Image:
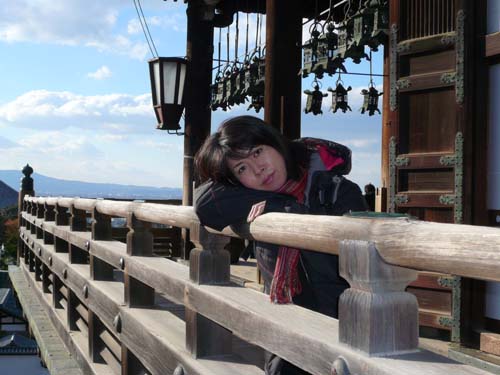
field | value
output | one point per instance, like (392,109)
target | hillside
(49,186)
(8,196)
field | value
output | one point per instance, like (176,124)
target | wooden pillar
(209,264)
(282,96)
(197,122)
(376,315)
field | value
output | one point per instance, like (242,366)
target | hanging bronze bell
(339,98)
(314,100)
(370,101)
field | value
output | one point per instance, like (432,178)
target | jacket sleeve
(218,205)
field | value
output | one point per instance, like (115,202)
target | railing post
(40,214)
(376,315)
(62,215)
(209,263)
(139,243)
(49,215)
(101,231)
(78,219)
(61,218)
(101,226)
(26,189)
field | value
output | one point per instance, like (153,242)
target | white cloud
(69,22)
(102,73)
(42,109)
(60,145)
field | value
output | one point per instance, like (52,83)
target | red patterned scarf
(286,283)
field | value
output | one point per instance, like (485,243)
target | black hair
(235,138)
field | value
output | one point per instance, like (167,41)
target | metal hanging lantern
(370,101)
(238,82)
(167,75)
(362,26)
(380,32)
(340,97)
(257,92)
(229,88)
(251,75)
(213,95)
(311,50)
(314,100)
(321,65)
(343,40)
(335,61)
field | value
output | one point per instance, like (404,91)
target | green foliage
(9,235)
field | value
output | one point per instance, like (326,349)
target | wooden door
(427,136)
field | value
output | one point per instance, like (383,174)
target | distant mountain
(8,196)
(48,186)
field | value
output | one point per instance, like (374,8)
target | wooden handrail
(463,250)
(154,333)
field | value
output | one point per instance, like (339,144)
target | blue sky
(75,100)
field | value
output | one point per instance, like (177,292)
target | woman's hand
(257,210)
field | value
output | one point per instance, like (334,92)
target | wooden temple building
(118,309)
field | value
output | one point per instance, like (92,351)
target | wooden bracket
(376,315)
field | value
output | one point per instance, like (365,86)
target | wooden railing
(123,311)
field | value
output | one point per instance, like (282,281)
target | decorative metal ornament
(314,100)
(460,56)
(339,98)
(370,101)
(393,60)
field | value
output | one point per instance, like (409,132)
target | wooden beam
(492,42)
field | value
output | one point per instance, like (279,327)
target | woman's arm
(218,205)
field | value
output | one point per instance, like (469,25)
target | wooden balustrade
(129,312)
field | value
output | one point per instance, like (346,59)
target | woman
(248,168)
(247,162)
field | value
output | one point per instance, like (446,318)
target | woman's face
(263,169)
